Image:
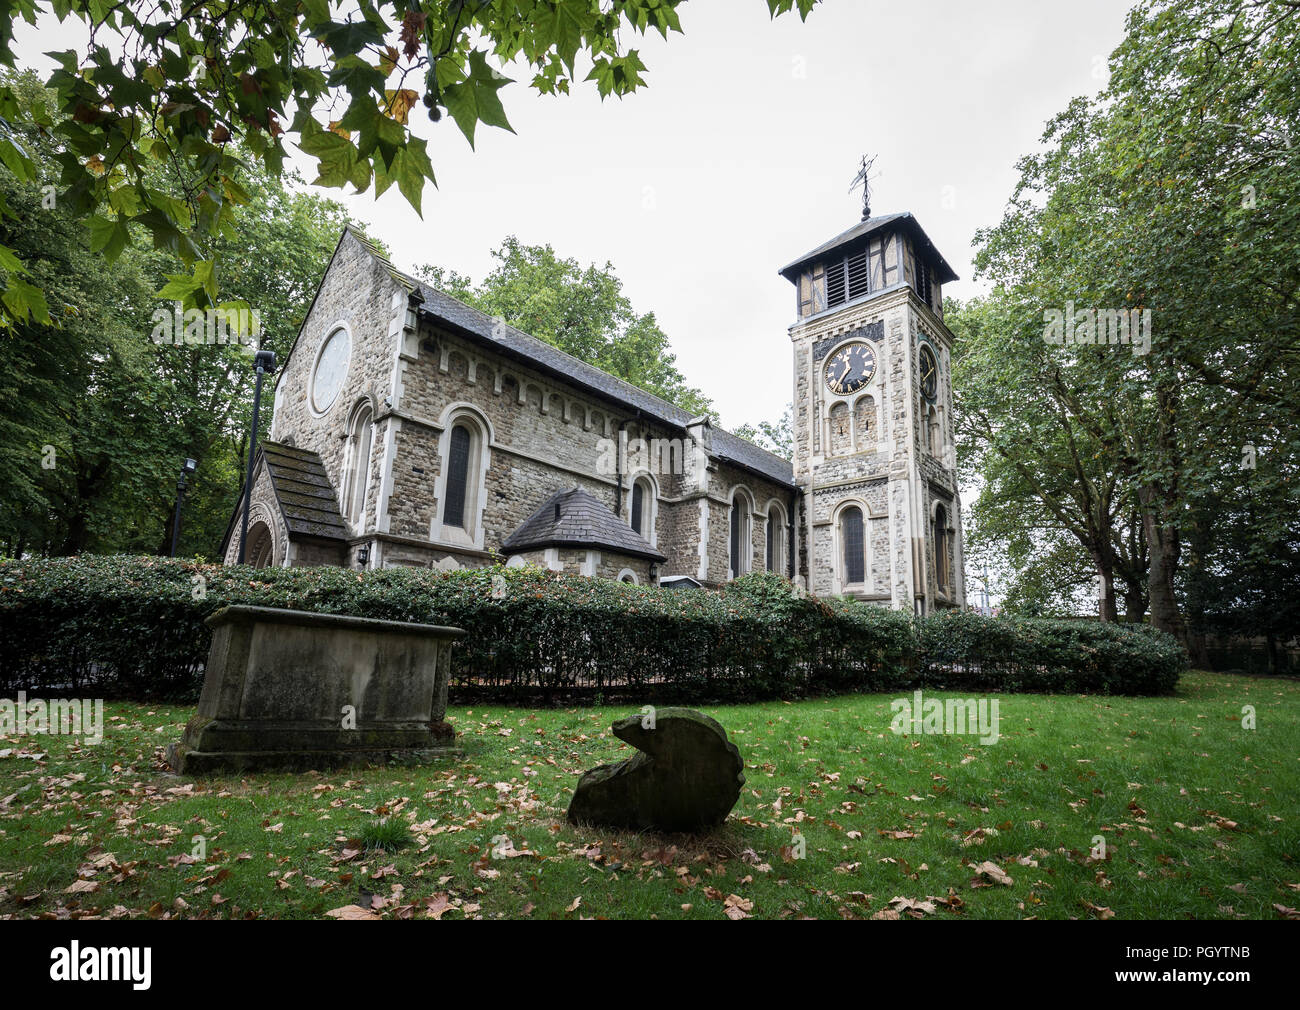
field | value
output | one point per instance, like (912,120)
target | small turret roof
(904,222)
(575,518)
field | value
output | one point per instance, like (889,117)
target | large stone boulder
(685,776)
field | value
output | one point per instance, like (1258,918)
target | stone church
(411,429)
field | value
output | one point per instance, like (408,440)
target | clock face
(331,370)
(929,372)
(850,368)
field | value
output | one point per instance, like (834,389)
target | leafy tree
(1044,472)
(581,310)
(62,442)
(117,411)
(1050,577)
(204,87)
(775,437)
(1175,192)
(1242,568)
(273,261)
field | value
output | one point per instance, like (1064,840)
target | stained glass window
(855,560)
(457,476)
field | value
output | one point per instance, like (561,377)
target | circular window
(331,370)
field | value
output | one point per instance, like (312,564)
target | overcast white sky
(737,158)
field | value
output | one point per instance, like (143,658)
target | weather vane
(863,179)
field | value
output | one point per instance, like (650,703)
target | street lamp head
(187,470)
(265,361)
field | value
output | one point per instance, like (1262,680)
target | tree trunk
(1135,600)
(1198,650)
(1162,540)
(75,535)
(1106,591)
(89,483)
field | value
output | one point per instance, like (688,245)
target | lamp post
(186,471)
(264,362)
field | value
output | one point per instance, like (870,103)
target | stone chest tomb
(287,689)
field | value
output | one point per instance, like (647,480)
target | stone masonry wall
(891,476)
(544,436)
(539,435)
(358,292)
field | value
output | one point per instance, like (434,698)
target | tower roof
(902,222)
(576,519)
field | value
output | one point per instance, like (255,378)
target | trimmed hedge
(133,627)
(968,650)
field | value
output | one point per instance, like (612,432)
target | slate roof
(904,221)
(469,321)
(303,489)
(575,519)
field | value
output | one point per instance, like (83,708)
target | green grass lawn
(1198,813)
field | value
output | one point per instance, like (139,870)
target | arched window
(458,452)
(742,537)
(460,489)
(358,472)
(775,539)
(261,546)
(643,508)
(942,562)
(853,547)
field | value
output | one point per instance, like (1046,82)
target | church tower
(873,442)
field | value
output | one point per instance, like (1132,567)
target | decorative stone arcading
(265,509)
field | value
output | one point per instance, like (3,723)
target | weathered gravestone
(685,776)
(288,689)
